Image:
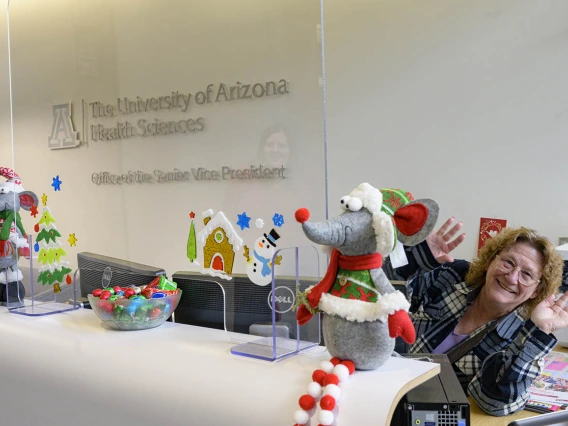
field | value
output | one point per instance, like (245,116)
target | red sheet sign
(488,228)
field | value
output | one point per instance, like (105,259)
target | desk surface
(479,418)
(66,369)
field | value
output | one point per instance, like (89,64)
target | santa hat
(393,199)
(393,211)
(13,182)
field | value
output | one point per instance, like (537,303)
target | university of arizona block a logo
(63,135)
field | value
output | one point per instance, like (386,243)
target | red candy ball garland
(307,402)
(331,379)
(325,387)
(327,402)
(336,361)
(318,376)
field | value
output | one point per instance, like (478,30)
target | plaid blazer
(499,370)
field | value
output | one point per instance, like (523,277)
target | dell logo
(284,299)
(107,276)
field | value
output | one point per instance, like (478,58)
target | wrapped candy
(166,284)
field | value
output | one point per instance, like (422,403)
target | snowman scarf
(265,261)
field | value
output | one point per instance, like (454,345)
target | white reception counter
(66,369)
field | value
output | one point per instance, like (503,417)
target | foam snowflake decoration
(278,219)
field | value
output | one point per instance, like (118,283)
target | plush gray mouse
(362,313)
(13,239)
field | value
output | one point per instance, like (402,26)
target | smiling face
(276,150)
(503,289)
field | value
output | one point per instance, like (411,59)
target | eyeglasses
(508,266)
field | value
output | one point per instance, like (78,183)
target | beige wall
(463,102)
(101,50)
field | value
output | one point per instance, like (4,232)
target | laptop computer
(558,418)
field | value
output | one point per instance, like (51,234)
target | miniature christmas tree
(52,270)
(191,242)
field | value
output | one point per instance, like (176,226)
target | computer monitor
(248,309)
(124,273)
(248,306)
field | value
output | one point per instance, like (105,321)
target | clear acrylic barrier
(283,336)
(29,297)
(135,119)
(252,314)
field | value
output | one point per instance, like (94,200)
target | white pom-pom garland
(326,366)
(333,373)
(341,371)
(314,389)
(333,390)
(325,417)
(301,417)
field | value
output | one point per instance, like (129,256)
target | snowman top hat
(13,182)
(272,237)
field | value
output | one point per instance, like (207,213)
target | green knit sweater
(8,216)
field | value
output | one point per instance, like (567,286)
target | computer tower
(440,401)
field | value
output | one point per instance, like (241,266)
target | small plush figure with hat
(259,262)
(13,238)
(362,313)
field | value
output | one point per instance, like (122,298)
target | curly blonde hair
(552,263)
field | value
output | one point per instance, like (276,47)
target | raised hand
(551,315)
(442,242)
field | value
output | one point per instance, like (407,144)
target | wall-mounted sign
(196,174)
(64,136)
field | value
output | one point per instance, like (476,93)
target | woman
(505,298)
(274,149)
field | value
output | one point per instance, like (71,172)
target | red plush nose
(302,215)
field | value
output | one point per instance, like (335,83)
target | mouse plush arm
(399,322)
(381,281)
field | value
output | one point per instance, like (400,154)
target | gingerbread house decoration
(220,241)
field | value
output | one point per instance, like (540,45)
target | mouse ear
(416,220)
(410,219)
(27,200)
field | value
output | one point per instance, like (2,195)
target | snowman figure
(259,258)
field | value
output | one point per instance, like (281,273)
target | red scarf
(6,248)
(350,263)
